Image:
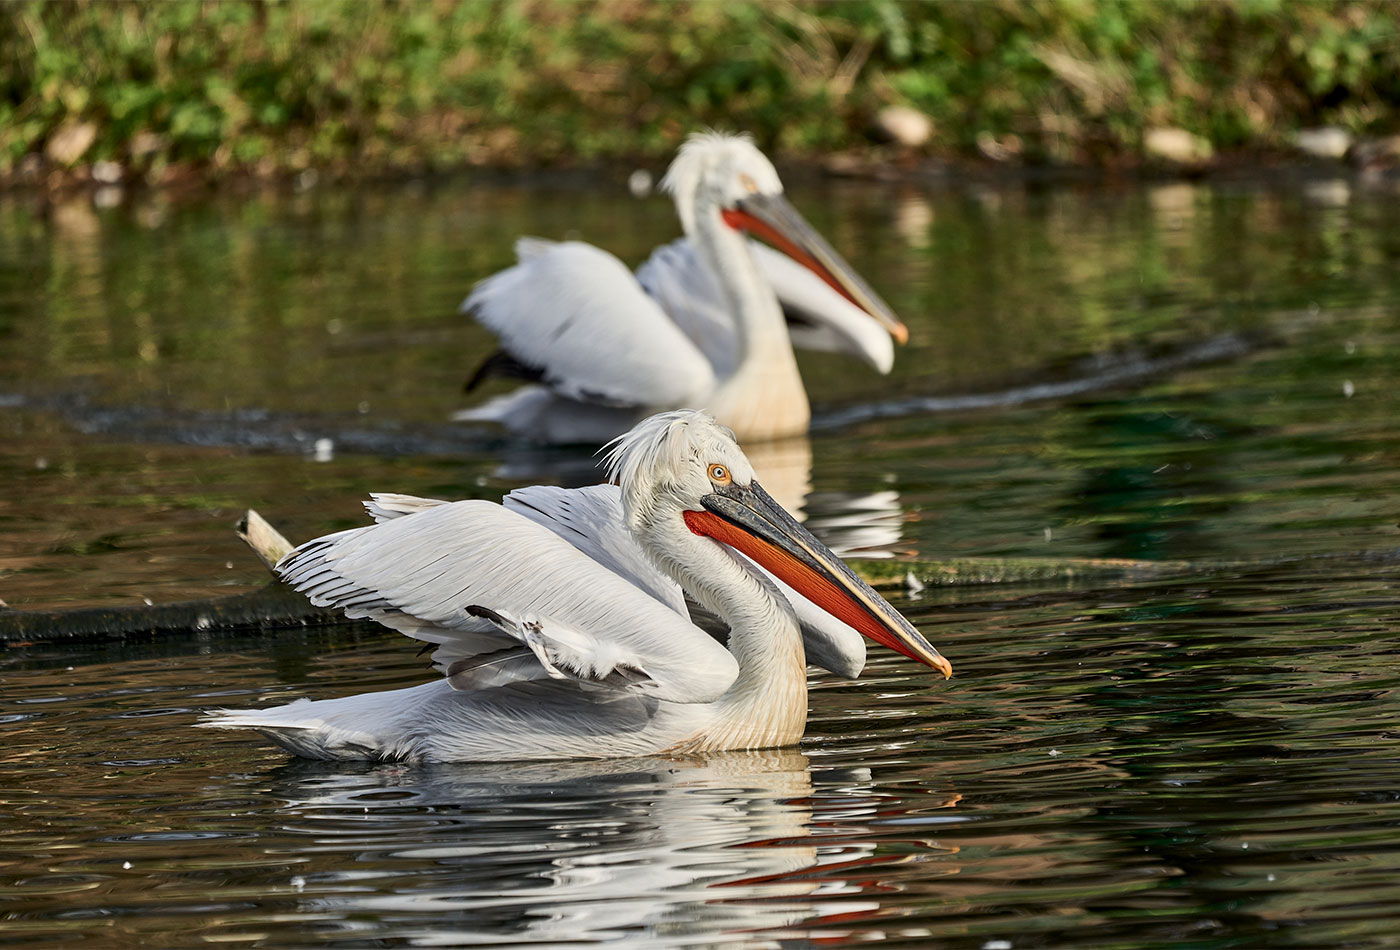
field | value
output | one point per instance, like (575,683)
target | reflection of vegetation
(285,86)
(344,301)
(335,309)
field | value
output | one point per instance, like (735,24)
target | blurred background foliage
(382,86)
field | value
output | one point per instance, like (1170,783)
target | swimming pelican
(560,617)
(701,322)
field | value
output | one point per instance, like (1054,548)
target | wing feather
(591,520)
(685,288)
(382,506)
(577,314)
(420,573)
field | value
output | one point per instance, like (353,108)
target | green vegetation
(380,86)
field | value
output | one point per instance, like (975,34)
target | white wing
(818,317)
(689,293)
(385,506)
(591,520)
(577,314)
(479,580)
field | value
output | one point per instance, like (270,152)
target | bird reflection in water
(651,849)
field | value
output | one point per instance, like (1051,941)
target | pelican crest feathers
(716,160)
(665,456)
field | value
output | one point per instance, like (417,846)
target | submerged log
(275,605)
(972,571)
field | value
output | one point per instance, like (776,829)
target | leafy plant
(376,84)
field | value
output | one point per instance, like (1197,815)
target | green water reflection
(154,352)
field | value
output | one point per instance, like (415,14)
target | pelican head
(727,177)
(682,468)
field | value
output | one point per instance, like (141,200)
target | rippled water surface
(1207,755)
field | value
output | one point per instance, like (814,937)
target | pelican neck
(762,397)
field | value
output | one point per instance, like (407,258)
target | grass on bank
(380,86)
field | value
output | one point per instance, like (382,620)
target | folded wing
(576,315)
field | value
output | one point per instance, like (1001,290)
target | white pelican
(561,619)
(701,322)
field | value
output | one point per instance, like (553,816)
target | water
(1203,759)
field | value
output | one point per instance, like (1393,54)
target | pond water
(1207,757)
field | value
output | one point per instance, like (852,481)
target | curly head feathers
(717,169)
(665,462)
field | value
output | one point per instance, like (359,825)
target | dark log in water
(275,605)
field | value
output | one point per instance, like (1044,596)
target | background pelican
(561,621)
(699,325)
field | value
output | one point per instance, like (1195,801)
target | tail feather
(325,729)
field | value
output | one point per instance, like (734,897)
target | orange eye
(749,184)
(718,473)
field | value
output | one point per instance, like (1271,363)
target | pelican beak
(751,522)
(772,219)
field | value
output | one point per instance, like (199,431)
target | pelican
(701,323)
(561,621)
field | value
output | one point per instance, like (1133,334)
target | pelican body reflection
(657,851)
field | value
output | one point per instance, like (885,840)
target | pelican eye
(718,473)
(748,183)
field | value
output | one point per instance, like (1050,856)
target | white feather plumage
(560,633)
(698,325)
